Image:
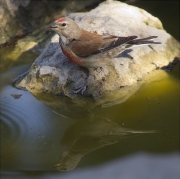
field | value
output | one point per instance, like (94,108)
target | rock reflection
(79,106)
(87,135)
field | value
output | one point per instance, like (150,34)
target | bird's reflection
(90,129)
(87,135)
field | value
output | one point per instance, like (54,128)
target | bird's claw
(82,88)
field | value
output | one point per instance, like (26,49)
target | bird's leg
(82,88)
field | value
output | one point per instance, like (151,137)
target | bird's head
(66,27)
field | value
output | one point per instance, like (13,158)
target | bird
(90,49)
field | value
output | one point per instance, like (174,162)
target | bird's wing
(91,44)
(110,42)
(86,44)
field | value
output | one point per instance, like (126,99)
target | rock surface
(19,17)
(53,73)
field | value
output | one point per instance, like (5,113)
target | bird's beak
(51,27)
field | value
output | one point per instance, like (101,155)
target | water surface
(45,133)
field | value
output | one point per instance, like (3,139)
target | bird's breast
(72,57)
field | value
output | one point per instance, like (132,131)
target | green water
(41,131)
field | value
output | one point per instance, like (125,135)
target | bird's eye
(63,24)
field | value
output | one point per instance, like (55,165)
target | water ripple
(13,118)
(21,128)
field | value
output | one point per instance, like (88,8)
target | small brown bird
(91,50)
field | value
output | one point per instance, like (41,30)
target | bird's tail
(143,41)
(127,42)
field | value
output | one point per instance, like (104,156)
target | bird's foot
(82,88)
